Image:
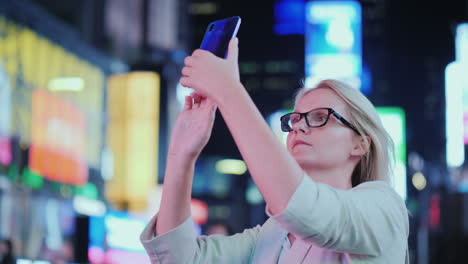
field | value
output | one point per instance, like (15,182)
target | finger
(187,71)
(196,101)
(233,50)
(204,101)
(188,103)
(189,61)
(186,82)
(199,53)
(195,94)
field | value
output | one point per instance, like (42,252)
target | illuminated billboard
(456,100)
(394,121)
(333,41)
(58,140)
(114,238)
(132,136)
(5,118)
(289,17)
(31,61)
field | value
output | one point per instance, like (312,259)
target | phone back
(218,34)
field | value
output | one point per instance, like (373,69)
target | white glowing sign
(333,41)
(393,119)
(456,100)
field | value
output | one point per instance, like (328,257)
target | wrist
(234,98)
(232,90)
(182,157)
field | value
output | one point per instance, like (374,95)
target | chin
(308,161)
(303,159)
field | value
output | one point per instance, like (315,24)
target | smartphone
(218,34)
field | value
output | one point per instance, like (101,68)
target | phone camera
(211,27)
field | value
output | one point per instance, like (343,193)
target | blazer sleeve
(181,245)
(365,220)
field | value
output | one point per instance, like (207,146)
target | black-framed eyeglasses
(314,118)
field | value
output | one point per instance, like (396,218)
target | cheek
(331,140)
(321,141)
(340,142)
(288,141)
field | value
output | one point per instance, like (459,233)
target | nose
(301,126)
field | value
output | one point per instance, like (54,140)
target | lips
(300,142)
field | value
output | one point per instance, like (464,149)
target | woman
(327,195)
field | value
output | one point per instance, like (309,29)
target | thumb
(233,50)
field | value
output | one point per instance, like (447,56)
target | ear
(361,145)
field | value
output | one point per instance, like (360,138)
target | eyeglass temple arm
(345,122)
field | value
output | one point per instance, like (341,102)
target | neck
(338,178)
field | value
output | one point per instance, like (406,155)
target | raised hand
(210,75)
(193,126)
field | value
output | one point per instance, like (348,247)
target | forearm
(273,169)
(177,190)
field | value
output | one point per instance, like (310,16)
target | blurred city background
(89,93)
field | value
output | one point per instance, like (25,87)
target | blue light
(97,231)
(289,17)
(366,79)
(326,11)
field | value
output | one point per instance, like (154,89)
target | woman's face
(323,147)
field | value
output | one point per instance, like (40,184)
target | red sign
(199,211)
(58,139)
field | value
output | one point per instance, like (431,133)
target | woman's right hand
(193,127)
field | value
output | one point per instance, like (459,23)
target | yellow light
(419,181)
(132,134)
(231,166)
(72,84)
(206,8)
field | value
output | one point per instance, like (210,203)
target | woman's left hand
(210,75)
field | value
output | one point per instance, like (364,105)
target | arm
(180,245)
(260,149)
(191,132)
(219,78)
(366,220)
(175,240)
(175,200)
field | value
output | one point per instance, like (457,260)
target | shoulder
(384,196)
(373,185)
(374,189)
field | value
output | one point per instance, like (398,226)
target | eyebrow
(310,109)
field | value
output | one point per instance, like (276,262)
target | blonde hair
(377,164)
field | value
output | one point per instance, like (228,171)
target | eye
(318,118)
(295,118)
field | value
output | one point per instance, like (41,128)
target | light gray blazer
(366,224)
